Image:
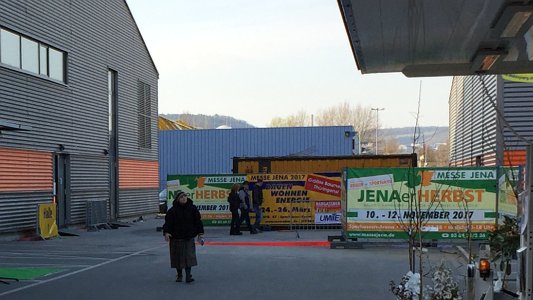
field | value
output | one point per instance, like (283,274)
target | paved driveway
(132,263)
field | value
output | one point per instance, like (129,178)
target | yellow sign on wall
(47,220)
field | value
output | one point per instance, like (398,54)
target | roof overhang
(440,38)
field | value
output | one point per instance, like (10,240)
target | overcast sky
(256,60)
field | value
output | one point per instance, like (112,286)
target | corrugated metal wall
(518,111)
(472,120)
(211,151)
(475,128)
(25,181)
(97,35)
(89,181)
(138,199)
(138,174)
(138,180)
(456,94)
(19,209)
(515,157)
(23,170)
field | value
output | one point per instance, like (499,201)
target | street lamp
(377,109)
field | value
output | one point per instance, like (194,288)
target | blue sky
(256,60)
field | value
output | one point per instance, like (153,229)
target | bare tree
(278,122)
(360,117)
(438,157)
(390,145)
(301,118)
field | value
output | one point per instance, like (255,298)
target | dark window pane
(145,119)
(110,100)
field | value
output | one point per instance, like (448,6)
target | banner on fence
(300,199)
(297,199)
(382,203)
(208,192)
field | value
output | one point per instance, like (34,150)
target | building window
(43,60)
(111,92)
(479,161)
(24,53)
(55,59)
(30,55)
(10,48)
(145,116)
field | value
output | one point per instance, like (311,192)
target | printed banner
(327,218)
(507,199)
(297,199)
(208,192)
(300,199)
(379,203)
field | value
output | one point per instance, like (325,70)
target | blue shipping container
(188,152)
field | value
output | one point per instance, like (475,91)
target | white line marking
(79,271)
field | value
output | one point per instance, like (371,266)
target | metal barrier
(97,214)
(302,217)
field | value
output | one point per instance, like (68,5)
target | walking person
(245,207)
(182,224)
(257,201)
(234,204)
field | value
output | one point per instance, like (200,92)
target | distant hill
(208,122)
(430,135)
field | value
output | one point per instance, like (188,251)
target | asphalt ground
(133,263)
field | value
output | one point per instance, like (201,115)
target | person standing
(245,207)
(182,224)
(234,204)
(257,201)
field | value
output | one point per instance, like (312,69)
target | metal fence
(302,217)
(96,214)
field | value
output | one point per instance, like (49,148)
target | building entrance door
(62,188)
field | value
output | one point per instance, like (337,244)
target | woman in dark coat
(182,224)
(234,204)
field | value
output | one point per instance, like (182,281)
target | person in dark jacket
(182,224)
(234,204)
(245,207)
(257,201)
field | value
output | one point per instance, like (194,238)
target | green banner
(208,192)
(524,78)
(384,202)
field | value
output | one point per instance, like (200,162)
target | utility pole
(377,109)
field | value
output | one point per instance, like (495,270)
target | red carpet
(272,244)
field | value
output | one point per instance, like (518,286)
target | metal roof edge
(342,4)
(142,39)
